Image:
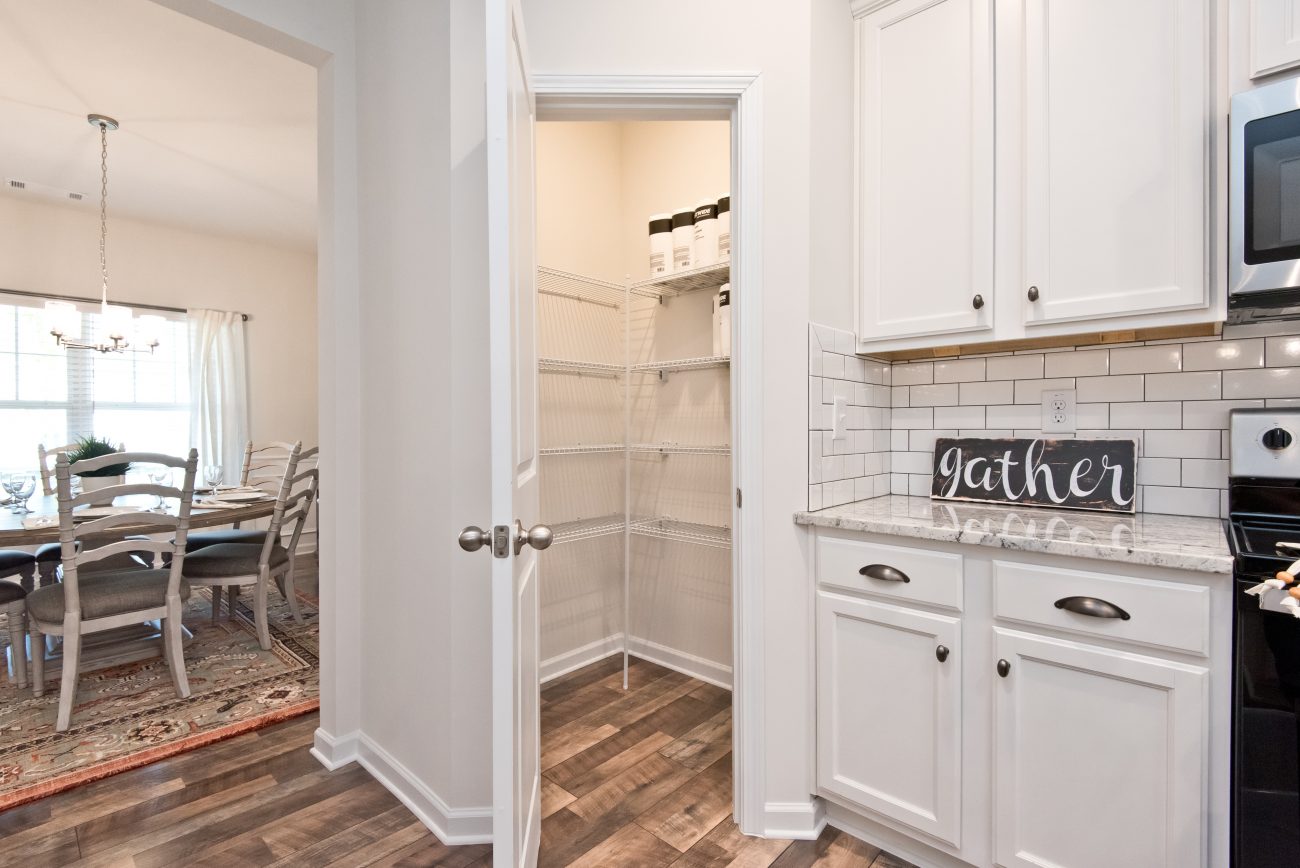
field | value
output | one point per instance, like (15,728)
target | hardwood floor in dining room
(641,778)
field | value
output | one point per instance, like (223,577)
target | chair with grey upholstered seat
(263,468)
(45,458)
(94,601)
(232,564)
(20,565)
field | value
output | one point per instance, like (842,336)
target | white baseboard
(679,661)
(714,673)
(570,661)
(334,752)
(451,825)
(892,841)
(800,821)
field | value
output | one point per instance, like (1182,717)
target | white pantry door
(516,727)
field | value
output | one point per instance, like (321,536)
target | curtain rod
(47,295)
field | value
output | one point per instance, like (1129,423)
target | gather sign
(1071,474)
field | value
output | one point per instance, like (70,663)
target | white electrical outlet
(1058,411)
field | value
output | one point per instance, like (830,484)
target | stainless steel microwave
(1264,204)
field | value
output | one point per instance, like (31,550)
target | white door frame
(738,98)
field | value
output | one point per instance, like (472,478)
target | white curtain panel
(218,389)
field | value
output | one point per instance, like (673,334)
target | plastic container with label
(661,244)
(706,234)
(683,239)
(724,228)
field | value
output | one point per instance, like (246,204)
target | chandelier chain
(103,209)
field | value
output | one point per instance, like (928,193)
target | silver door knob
(473,538)
(538,536)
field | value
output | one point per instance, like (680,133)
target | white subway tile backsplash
(1172,397)
(1199,386)
(1223,355)
(1015,416)
(1147,414)
(959,417)
(1031,391)
(1124,388)
(1159,471)
(1147,360)
(1262,383)
(1084,363)
(1014,367)
(939,395)
(913,417)
(1205,473)
(1212,414)
(1183,444)
(959,371)
(998,392)
(1283,352)
(912,374)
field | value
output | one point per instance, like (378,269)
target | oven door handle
(1092,607)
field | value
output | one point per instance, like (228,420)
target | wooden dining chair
(87,602)
(22,566)
(233,564)
(263,468)
(45,464)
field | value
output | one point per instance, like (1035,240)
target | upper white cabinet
(1100,757)
(1116,102)
(1035,168)
(925,192)
(1274,36)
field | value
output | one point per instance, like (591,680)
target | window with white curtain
(53,395)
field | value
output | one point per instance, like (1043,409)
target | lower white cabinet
(1100,757)
(889,711)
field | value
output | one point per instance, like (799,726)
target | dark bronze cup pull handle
(884,573)
(1092,607)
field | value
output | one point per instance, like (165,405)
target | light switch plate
(1058,411)
(840,419)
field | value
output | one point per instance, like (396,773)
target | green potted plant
(103,477)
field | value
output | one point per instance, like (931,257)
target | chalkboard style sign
(1070,474)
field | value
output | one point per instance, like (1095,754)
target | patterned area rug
(129,715)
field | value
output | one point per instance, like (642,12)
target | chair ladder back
(46,470)
(282,498)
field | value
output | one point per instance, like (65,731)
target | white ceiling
(218,134)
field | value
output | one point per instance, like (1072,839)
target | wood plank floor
(641,778)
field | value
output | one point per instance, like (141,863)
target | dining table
(123,644)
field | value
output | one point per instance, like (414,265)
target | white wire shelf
(681,449)
(581,449)
(668,528)
(695,280)
(587,528)
(673,365)
(563,284)
(574,366)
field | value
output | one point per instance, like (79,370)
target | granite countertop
(1177,542)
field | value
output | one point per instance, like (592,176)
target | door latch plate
(501,541)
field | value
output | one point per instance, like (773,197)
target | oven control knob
(1276,438)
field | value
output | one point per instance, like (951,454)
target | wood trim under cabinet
(1196,330)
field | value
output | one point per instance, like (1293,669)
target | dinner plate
(102,511)
(240,496)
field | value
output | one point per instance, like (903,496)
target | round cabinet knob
(941,652)
(977,302)
(1033,293)
(1276,438)
(1004,668)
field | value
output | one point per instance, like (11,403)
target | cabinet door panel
(1274,36)
(925,168)
(1100,757)
(889,712)
(1116,173)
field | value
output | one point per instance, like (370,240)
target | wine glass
(24,488)
(212,476)
(160,475)
(11,484)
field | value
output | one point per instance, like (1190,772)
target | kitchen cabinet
(1076,718)
(1050,174)
(1099,756)
(1116,173)
(925,127)
(889,711)
(1274,36)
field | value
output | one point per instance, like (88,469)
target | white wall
(777,40)
(579,198)
(53,249)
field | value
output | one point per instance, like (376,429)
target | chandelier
(115,320)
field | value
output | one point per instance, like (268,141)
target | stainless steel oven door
(1264,190)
